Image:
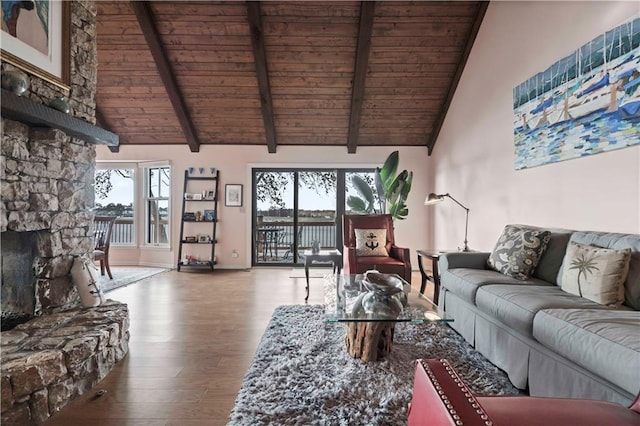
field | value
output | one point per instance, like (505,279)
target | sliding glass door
(295,208)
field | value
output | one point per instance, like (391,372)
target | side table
(434,255)
(323,256)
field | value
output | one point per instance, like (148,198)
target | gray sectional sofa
(550,342)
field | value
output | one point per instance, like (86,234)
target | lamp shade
(433,199)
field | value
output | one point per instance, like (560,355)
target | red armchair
(398,261)
(440,397)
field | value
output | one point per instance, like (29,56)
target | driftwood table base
(369,341)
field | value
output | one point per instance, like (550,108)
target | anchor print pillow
(371,242)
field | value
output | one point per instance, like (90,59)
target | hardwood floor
(193,336)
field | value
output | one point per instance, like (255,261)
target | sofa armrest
(471,260)
(440,397)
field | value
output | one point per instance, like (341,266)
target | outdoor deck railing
(123,231)
(322,231)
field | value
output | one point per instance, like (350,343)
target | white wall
(474,155)
(235,162)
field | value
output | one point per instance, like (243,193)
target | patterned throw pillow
(518,251)
(371,242)
(595,273)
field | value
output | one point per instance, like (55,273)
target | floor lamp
(437,198)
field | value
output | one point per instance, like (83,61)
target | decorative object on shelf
(209,215)
(208,194)
(315,247)
(435,198)
(233,195)
(60,103)
(391,190)
(212,170)
(49,59)
(15,81)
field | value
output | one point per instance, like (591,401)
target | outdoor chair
(102,234)
(397,259)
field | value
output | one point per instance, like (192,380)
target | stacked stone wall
(48,361)
(46,182)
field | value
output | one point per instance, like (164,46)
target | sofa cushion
(606,342)
(464,282)
(518,251)
(371,242)
(596,273)
(551,259)
(618,242)
(517,305)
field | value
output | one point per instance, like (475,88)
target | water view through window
(115,192)
(294,209)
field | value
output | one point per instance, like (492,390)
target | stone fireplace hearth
(46,220)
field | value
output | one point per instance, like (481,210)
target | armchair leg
(106,264)
(101,266)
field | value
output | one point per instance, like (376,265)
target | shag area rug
(123,276)
(301,373)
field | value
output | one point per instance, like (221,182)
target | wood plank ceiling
(281,73)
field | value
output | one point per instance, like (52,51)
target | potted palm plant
(392,191)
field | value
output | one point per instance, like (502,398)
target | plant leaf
(363,189)
(357,205)
(389,169)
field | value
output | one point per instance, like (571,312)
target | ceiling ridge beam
(481,11)
(101,122)
(262,73)
(363,46)
(146,20)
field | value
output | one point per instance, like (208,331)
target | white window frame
(145,168)
(105,165)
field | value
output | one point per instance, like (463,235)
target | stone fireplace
(46,220)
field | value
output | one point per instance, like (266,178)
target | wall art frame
(53,66)
(233,195)
(583,104)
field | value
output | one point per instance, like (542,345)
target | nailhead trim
(445,399)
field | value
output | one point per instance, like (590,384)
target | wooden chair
(398,261)
(103,226)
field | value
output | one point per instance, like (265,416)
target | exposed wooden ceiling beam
(260,58)
(144,14)
(482,9)
(360,73)
(101,122)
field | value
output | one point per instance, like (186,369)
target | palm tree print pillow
(518,251)
(595,273)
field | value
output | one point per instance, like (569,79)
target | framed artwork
(209,215)
(209,195)
(233,195)
(202,238)
(36,38)
(583,104)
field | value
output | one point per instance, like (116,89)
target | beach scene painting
(583,104)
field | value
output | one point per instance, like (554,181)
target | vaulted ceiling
(281,73)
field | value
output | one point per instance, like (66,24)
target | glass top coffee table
(370,305)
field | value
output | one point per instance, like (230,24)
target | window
(157,200)
(115,195)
